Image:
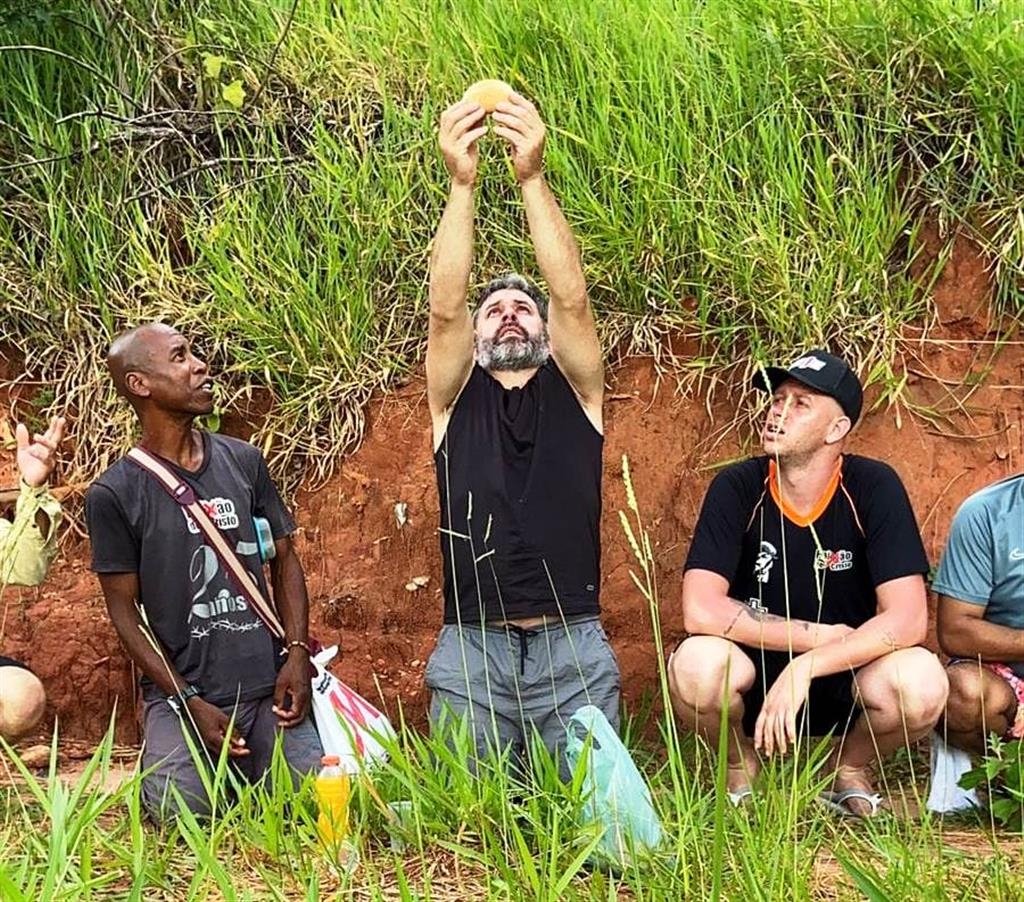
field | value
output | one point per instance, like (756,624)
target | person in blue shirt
(980,584)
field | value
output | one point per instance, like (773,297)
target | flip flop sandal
(740,796)
(837,802)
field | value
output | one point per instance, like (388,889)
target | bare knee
(910,682)
(979,700)
(923,688)
(706,673)
(964,706)
(22,701)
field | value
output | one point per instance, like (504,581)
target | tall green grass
(482,836)
(485,834)
(755,171)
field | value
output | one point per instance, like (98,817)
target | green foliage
(866,883)
(482,832)
(482,835)
(1001,773)
(266,176)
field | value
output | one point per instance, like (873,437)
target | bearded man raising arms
(515,390)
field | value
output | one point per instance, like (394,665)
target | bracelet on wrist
(297,643)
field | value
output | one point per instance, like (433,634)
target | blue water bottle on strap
(264,539)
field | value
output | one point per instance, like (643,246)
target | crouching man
(804,596)
(980,585)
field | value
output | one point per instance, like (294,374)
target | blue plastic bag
(617,799)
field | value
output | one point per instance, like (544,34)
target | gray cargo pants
(510,682)
(167,754)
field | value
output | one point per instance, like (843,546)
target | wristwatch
(179,699)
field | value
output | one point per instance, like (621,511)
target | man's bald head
(154,368)
(132,352)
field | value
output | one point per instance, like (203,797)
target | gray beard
(510,356)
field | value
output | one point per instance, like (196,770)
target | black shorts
(10,662)
(829,708)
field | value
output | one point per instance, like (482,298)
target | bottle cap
(330,761)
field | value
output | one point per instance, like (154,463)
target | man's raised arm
(574,341)
(450,333)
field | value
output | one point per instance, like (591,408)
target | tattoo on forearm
(732,623)
(762,616)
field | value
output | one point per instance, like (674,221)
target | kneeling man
(980,585)
(804,596)
(210,666)
(515,392)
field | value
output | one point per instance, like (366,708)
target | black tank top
(519,477)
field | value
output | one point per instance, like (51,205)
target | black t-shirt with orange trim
(823,567)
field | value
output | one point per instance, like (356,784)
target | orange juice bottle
(332,793)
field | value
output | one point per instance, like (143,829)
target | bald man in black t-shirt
(215,681)
(804,596)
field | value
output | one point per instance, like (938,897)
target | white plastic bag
(349,726)
(949,764)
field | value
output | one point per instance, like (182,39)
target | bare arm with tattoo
(708,610)
(901,621)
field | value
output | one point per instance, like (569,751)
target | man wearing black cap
(804,596)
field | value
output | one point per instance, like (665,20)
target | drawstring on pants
(524,636)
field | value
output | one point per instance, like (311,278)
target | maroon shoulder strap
(184,495)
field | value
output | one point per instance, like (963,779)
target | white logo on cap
(809,363)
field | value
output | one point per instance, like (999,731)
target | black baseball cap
(821,371)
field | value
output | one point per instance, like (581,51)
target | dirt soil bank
(964,431)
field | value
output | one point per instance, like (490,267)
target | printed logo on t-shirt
(212,608)
(826,559)
(1017,555)
(222,603)
(759,609)
(220,510)
(764,562)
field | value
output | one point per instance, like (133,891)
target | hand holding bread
(461,127)
(518,122)
(515,119)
